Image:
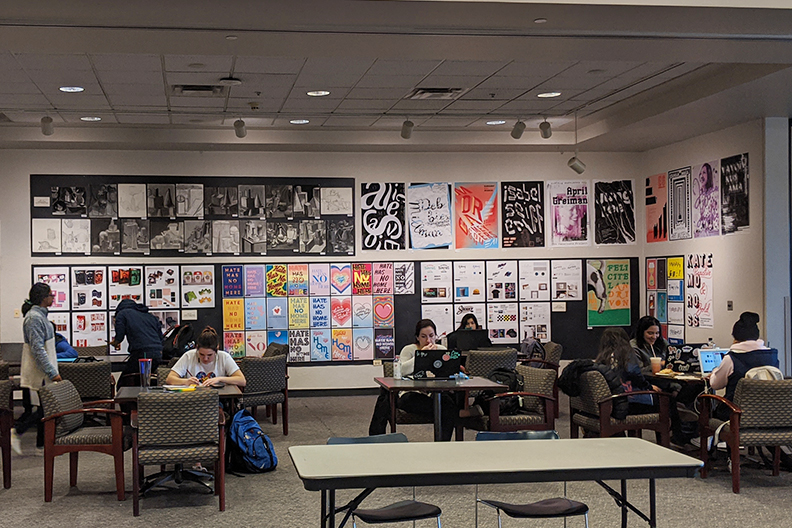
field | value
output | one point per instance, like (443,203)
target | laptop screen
(710,359)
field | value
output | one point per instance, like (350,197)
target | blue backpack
(251,450)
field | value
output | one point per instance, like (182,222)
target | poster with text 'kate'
(614,212)
(234,343)
(342,344)
(569,212)
(442,315)
(382,306)
(299,346)
(384,343)
(436,282)
(479,310)
(89,329)
(319,279)
(382,205)
(198,288)
(298,279)
(429,215)
(162,287)
(363,343)
(278,312)
(277,280)
(361,278)
(676,279)
(320,312)
(501,280)
(340,279)
(362,311)
(255,343)
(382,278)
(233,285)
(534,280)
(679,222)
(255,283)
(535,321)
(125,283)
(657,208)
(234,314)
(699,290)
(57,278)
(341,311)
(503,322)
(705,198)
(469,281)
(404,278)
(256,313)
(89,288)
(299,312)
(608,292)
(321,345)
(567,281)
(476,215)
(522,214)
(734,193)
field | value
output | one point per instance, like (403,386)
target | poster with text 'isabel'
(198,288)
(535,321)
(699,290)
(476,208)
(534,280)
(569,212)
(429,215)
(469,281)
(57,278)
(608,292)
(657,208)
(567,282)
(436,282)
(522,214)
(502,322)
(501,280)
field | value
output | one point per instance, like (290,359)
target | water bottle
(397,368)
(711,343)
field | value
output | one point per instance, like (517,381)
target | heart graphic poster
(320,312)
(278,313)
(319,279)
(382,278)
(299,312)
(340,279)
(254,281)
(342,344)
(278,337)
(362,311)
(363,343)
(256,313)
(384,343)
(276,280)
(321,345)
(361,278)
(383,311)
(341,311)
(298,279)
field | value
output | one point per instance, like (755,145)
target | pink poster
(657,208)
(382,278)
(341,311)
(476,216)
(383,311)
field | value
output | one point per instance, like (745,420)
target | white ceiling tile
(198,102)
(403,67)
(562,83)
(133,89)
(143,119)
(682,69)
(264,105)
(463,67)
(514,82)
(63,77)
(8,62)
(366,104)
(404,82)
(478,106)
(644,70)
(565,94)
(329,66)
(199,78)
(211,63)
(138,100)
(600,68)
(19,88)
(126,62)
(349,121)
(249,64)
(494,94)
(136,109)
(446,122)
(520,105)
(250,121)
(326,81)
(535,69)
(14,76)
(82,101)
(54,61)
(316,104)
(378,93)
(23,101)
(255,91)
(125,76)
(566,106)
(590,95)
(450,81)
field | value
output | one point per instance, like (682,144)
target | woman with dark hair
(648,343)
(616,353)
(39,358)
(469,322)
(205,365)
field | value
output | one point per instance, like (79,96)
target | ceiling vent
(198,90)
(436,93)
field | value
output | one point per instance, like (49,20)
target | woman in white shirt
(205,365)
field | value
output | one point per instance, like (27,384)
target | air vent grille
(198,90)
(436,93)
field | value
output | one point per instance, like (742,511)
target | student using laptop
(206,365)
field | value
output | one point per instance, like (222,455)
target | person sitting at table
(416,402)
(648,343)
(747,352)
(205,365)
(469,322)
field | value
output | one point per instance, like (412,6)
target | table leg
(331,508)
(624,503)
(323,518)
(438,424)
(393,395)
(652,504)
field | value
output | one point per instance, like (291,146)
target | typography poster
(234,314)
(298,279)
(657,208)
(255,343)
(361,278)
(277,280)
(232,281)
(254,281)
(255,313)
(442,315)
(319,279)
(234,343)
(705,197)
(522,214)
(699,290)
(384,343)
(608,285)
(404,278)
(651,274)
(535,321)
(614,212)
(299,346)
(734,193)
(569,212)
(430,215)
(299,313)
(679,219)
(382,205)
(566,280)
(342,344)
(382,278)
(676,279)
(321,345)
(476,208)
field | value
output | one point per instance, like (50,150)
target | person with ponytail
(205,365)
(39,358)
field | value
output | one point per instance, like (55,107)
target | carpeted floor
(278,498)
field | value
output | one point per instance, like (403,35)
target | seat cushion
(93,436)
(270,398)
(592,424)
(174,455)
(557,507)
(399,511)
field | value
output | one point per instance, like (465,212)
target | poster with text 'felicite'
(404,278)
(234,314)
(705,197)
(277,280)
(319,279)
(382,307)
(567,282)
(569,212)
(699,296)
(321,345)
(299,312)
(657,208)
(534,280)
(476,215)
(340,279)
(255,284)
(255,313)
(477,309)
(320,312)
(342,344)
(429,215)
(469,281)
(436,281)
(501,280)
(255,343)
(382,278)
(535,321)
(298,279)
(608,292)
(57,278)
(503,322)
(361,278)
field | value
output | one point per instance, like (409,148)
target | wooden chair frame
(549,413)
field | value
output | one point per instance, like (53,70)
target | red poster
(476,218)
(657,208)
(361,278)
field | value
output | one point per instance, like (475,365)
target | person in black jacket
(141,329)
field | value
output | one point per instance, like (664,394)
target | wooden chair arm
(83,411)
(221,419)
(97,402)
(534,394)
(634,393)
(133,419)
(732,407)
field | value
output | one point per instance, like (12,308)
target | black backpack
(177,341)
(509,405)
(533,349)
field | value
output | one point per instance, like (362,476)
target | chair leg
(49,466)
(73,459)
(585,517)
(735,460)
(137,471)
(267,411)
(274,411)
(6,419)
(285,416)
(253,411)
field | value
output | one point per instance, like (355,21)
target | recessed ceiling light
(196,65)
(231,37)
(299,121)
(71,89)
(496,122)
(540,21)
(548,95)
(317,93)
(91,119)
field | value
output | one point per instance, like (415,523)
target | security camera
(253,105)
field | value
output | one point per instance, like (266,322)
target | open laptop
(464,340)
(436,364)
(710,359)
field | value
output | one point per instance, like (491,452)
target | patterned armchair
(481,363)
(267,384)
(552,360)
(4,370)
(591,410)
(174,428)
(93,381)
(63,433)
(6,421)
(92,351)
(402,416)
(761,415)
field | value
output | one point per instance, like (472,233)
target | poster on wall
(567,283)
(341,343)
(651,304)
(62,322)
(166,235)
(442,315)
(569,212)
(135,236)
(361,278)
(341,236)
(255,313)
(340,279)
(522,214)
(319,279)
(469,281)
(255,343)
(124,283)
(341,311)
(234,314)
(476,215)
(676,313)
(383,310)
(232,281)
(657,208)
(363,343)
(662,274)
(382,206)
(132,200)
(103,200)
(221,201)
(105,237)
(76,235)
(313,236)
(234,343)
(162,287)
(57,278)
(404,278)
(277,280)
(651,274)
(299,346)
(362,311)
(699,290)
(734,193)
(679,220)
(501,280)
(608,292)
(254,237)
(662,307)
(676,279)
(705,197)
(89,288)
(279,201)
(45,235)
(278,313)
(676,334)
(321,345)
(337,201)
(614,212)
(503,322)
(384,343)
(68,201)
(534,280)
(198,236)
(320,312)
(382,278)
(298,279)
(477,309)
(535,321)
(189,201)
(225,236)
(299,312)
(161,199)
(198,289)
(89,329)
(306,201)
(255,285)
(436,282)
(429,215)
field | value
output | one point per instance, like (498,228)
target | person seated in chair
(469,322)
(205,365)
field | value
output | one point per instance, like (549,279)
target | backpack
(765,372)
(251,451)
(177,341)
(509,405)
(531,348)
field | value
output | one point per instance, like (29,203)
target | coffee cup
(656,365)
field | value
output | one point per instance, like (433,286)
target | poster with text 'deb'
(429,215)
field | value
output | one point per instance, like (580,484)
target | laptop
(710,359)
(464,340)
(436,364)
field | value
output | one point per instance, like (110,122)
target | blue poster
(320,345)
(279,337)
(662,307)
(277,312)
(256,313)
(320,312)
(232,281)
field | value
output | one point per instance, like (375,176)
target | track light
(545,130)
(47,127)
(576,165)
(517,131)
(239,128)
(407,127)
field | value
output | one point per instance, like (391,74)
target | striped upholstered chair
(761,415)
(4,370)
(267,384)
(93,380)
(6,421)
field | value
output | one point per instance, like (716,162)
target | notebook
(436,364)
(710,359)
